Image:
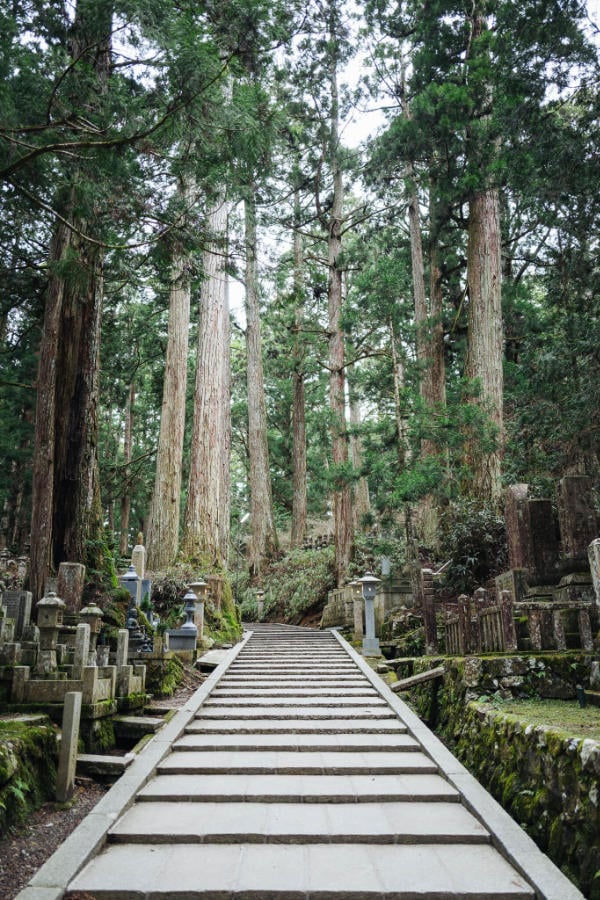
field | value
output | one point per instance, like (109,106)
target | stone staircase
(301,775)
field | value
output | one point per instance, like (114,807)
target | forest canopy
(269,269)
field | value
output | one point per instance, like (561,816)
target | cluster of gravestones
(52,649)
(552,587)
(318,542)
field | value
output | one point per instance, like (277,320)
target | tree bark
(299,498)
(342,500)
(361,506)
(65,516)
(162,539)
(206,520)
(263,543)
(484,281)
(484,350)
(125,511)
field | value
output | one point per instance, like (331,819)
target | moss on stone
(163,676)
(97,735)
(28,757)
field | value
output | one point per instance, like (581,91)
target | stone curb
(515,845)
(51,880)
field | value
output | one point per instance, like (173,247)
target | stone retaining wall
(547,780)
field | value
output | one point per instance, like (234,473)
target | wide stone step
(313,788)
(296,726)
(271,691)
(305,823)
(296,700)
(263,681)
(293,871)
(345,743)
(266,711)
(232,762)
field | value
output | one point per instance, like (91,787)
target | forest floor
(27,847)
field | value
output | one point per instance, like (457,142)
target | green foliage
(295,585)
(473,539)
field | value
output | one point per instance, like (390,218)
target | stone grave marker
(577,516)
(18,607)
(70,584)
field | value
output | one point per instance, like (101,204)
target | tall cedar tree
(66,515)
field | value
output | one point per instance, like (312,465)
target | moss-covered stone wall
(28,758)
(547,780)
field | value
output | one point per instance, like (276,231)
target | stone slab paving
(311,788)
(347,742)
(203,725)
(253,822)
(294,772)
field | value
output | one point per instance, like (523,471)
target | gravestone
(516,517)
(18,608)
(70,584)
(577,517)
(531,534)
(594,558)
(138,559)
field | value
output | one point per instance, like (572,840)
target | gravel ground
(24,849)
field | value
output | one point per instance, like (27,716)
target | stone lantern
(49,620)
(370,644)
(189,608)
(260,604)
(200,589)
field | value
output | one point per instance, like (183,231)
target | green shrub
(294,585)
(473,538)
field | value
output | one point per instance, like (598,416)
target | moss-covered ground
(562,715)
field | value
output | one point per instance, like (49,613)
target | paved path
(299,774)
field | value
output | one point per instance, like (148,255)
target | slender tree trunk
(361,506)
(127,450)
(342,500)
(263,543)
(399,384)
(162,539)
(299,498)
(484,281)
(206,520)
(436,389)
(484,351)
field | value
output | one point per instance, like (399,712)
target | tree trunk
(65,516)
(484,350)
(42,488)
(361,506)
(162,539)
(299,499)
(342,501)
(206,520)
(127,448)
(484,280)
(399,385)
(436,388)
(263,542)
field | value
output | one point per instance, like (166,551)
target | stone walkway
(299,774)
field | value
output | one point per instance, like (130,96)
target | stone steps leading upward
(296,773)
